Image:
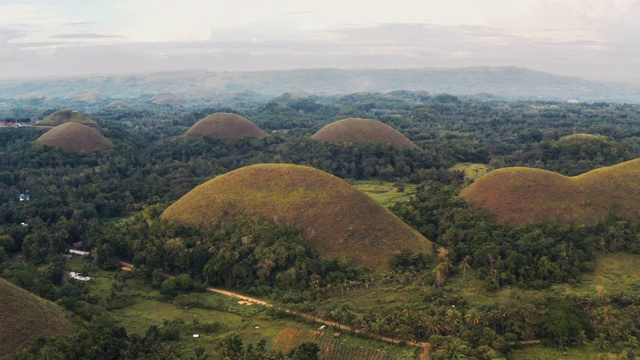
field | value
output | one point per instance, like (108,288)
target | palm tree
(464,266)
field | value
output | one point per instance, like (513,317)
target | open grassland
(613,273)
(385,193)
(523,195)
(24,317)
(66,116)
(339,221)
(539,352)
(224,126)
(194,312)
(335,348)
(357,130)
(472,171)
(76,137)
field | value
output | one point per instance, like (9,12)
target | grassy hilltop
(357,130)
(66,116)
(24,317)
(524,195)
(77,137)
(339,221)
(225,126)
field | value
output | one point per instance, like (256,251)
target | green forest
(488,290)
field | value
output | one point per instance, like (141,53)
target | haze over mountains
(509,83)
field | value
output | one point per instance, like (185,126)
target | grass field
(539,352)
(385,193)
(355,130)
(613,273)
(338,220)
(472,171)
(253,323)
(524,195)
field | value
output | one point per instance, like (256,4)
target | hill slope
(24,317)
(65,116)
(339,221)
(503,82)
(524,195)
(76,137)
(357,130)
(225,126)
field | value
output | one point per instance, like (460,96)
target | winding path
(424,345)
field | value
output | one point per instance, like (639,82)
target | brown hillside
(89,97)
(24,317)
(119,104)
(66,116)
(168,99)
(357,130)
(225,126)
(523,195)
(339,221)
(76,137)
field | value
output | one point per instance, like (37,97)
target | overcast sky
(593,39)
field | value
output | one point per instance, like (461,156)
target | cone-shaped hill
(224,126)
(66,116)
(77,137)
(357,130)
(523,195)
(338,220)
(25,317)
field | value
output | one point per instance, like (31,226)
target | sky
(592,39)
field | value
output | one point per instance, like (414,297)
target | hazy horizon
(590,39)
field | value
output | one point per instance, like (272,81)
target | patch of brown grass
(77,137)
(338,220)
(66,116)
(24,317)
(357,130)
(168,99)
(225,126)
(523,195)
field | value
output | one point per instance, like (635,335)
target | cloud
(84,36)
(81,23)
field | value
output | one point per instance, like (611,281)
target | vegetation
(76,137)
(471,171)
(224,126)
(25,317)
(66,116)
(522,195)
(386,194)
(339,221)
(488,287)
(355,130)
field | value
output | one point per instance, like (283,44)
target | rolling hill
(24,317)
(524,195)
(357,130)
(224,126)
(74,136)
(505,82)
(66,116)
(338,220)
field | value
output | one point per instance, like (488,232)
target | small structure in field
(77,276)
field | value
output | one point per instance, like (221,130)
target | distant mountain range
(509,83)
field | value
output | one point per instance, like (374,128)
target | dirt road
(315,319)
